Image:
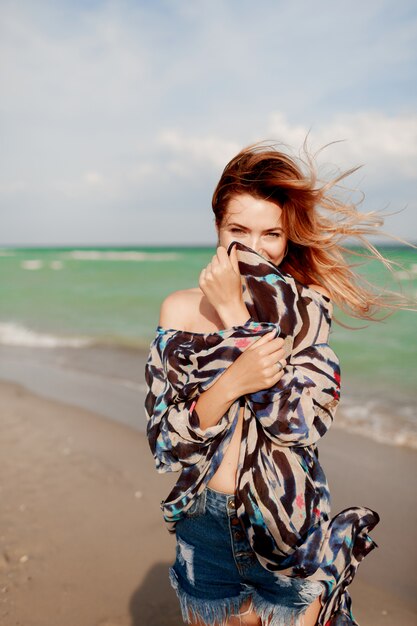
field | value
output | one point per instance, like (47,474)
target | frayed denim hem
(212,612)
(278,615)
(217,612)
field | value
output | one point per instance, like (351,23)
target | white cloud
(114,108)
(194,151)
(140,172)
(11,187)
(383,143)
(93,178)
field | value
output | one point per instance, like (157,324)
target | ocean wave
(32,264)
(408,273)
(12,334)
(56,265)
(99,255)
(15,334)
(376,419)
(37,264)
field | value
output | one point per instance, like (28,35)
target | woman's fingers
(269,342)
(282,359)
(271,350)
(219,258)
(278,357)
(264,340)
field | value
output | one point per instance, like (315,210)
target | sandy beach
(82,538)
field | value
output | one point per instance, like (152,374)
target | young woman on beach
(241,384)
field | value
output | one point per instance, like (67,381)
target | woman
(241,385)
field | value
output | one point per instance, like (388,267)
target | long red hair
(315,222)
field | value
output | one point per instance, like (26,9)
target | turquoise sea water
(78,296)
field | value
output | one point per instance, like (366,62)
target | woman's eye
(239,230)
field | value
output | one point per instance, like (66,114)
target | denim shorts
(215,570)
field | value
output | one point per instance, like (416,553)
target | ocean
(83,297)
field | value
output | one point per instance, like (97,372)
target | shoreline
(109,380)
(84,541)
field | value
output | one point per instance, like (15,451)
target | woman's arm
(213,403)
(256,372)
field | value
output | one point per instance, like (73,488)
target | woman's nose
(259,249)
(255,245)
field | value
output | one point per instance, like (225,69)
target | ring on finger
(280,366)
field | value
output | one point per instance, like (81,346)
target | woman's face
(256,223)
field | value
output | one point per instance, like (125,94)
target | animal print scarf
(282,495)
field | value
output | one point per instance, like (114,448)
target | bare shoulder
(320,289)
(176,308)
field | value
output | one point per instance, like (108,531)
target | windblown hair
(315,222)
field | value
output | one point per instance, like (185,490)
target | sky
(118,117)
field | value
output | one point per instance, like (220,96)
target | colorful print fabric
(282,495)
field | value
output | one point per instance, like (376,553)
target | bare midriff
(224,479)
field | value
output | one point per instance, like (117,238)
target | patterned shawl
(282,495)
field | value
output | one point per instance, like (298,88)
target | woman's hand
(257,367)
(221,283)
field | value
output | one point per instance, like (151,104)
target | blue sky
(118,117)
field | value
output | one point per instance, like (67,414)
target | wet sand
(82,540)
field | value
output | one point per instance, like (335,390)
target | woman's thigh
(312,612)
(246,617)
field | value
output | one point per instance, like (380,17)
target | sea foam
(12,334)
